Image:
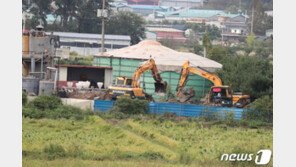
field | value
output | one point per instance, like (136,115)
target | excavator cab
(123,82)
(221,95)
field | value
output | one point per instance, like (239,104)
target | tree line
(81,16)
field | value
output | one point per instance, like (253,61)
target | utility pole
(103,28)
(205,52)
(205,49)
(240,5)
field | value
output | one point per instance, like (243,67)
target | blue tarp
(187,110)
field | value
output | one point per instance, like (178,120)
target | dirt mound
(186,94)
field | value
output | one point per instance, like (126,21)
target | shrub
(131,106)
(24,98)
(112,113)
(33,113)
(66,111)
(261,109)
(63,111)
(45,102)
(151,155)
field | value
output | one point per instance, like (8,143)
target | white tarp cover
(166,59)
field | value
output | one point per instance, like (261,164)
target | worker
(219,95)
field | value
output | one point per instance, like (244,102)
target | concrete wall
(63,73)
(108,78)
(81,103)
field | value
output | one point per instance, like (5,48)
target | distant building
(235,28)
(51,19)
(151,35)
(90,44)
(192,15)
(142,2)
(164,33)
(178,27)
(196,15)
(182,3)
(143,10)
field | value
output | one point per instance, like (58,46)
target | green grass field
(136,142)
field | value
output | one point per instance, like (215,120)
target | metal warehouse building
(89,44)
(169,62)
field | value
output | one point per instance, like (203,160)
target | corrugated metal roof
(163,29)
(194,13)
(90,36)
(198,13)
(147,7)
(81,66)
(143,7)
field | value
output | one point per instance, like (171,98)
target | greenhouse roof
(166,59)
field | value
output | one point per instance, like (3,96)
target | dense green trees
(199,28)
(249,74)
(261,21)
(130,24)
(42,8)
(81,16)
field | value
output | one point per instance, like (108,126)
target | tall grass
(165,142)
(92,139)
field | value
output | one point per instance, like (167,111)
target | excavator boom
(212,77)
(218,94)
(160,85)
(186,69)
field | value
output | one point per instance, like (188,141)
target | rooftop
(52,18)
(165,58)
(163,29)
(90,36)
(143,7)
(199,13)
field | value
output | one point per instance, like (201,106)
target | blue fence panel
(103,105)
(190,110)
(187,110)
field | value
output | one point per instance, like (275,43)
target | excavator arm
(186,69)
(160,85)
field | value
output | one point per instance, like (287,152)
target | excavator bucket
(160,87)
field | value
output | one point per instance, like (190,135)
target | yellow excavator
(130,87)
(219,94)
